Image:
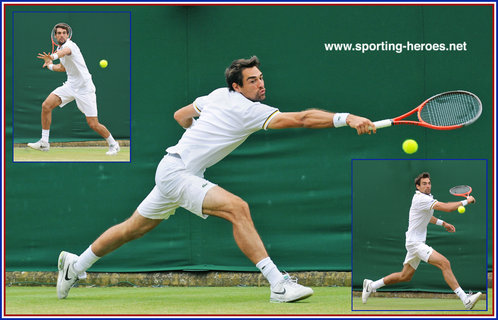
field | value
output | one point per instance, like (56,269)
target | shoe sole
(285,301)
(60,266)
(365,282)
(44,150)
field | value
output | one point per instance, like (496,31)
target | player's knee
(445,264)
(93,124)
(406,277)
(46,106)
(239,209)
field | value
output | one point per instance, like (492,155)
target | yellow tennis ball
(461,209)
(410,146)
(103,63)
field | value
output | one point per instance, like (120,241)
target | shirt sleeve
(258,116)
(199,103)
(427,203)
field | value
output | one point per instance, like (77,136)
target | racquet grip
(382,124)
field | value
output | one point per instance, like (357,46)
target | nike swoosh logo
(65,276)
(282,292)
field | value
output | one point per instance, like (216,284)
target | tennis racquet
(462,191)
(444,111)
(55,44)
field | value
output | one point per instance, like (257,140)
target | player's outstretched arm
(451,206)
(185,116)
(317,119)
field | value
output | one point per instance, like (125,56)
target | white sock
(110,140)
(378,284)
(270,271)
(85,261)
(461,294)
(45,135)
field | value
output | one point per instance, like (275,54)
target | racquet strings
(460,190)
(450,109)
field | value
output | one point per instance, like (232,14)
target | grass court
(216,301)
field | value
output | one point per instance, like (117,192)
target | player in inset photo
(420,216)
(79,86)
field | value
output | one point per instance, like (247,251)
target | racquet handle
(382,124)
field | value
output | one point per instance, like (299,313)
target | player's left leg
(440,261)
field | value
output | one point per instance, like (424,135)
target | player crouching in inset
(79,86)
(421,214)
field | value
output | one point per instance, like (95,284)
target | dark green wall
(297,181)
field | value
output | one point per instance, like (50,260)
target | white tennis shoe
(472,300)
(367,290)
(67,276)
(288,290)
(40,145)
(113,149)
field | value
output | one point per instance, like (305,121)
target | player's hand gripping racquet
(462,191)
(444,111)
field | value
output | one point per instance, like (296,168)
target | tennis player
(421,214)
(79,86)
(225,118)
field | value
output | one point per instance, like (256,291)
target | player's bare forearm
(317,119)
(451,206)
(185,116)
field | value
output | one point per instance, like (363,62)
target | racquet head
(52,34)
(450,110)
(462,191)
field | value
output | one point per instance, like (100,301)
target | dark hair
(421,176)
(64,26)
(233,74)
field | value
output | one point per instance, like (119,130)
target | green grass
(70,154)
(171,300)
(209,301)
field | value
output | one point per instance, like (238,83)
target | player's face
(425,186)
(61,35)
(253,85)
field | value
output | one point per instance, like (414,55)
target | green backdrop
(297,181)
(382,192)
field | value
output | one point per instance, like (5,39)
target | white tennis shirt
(421,212)
(226,119)
(78,76)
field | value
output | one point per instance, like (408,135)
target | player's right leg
(221,203)
(72,268)
(440,261)
(48,105)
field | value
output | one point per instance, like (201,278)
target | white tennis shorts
(417,251)
(175,187)
(86,102)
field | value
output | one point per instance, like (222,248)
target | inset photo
(420,235)
(71,86)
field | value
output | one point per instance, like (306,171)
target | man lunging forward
(421,214)
(79,86)
(225,118)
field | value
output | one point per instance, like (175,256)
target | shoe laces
(288,279)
